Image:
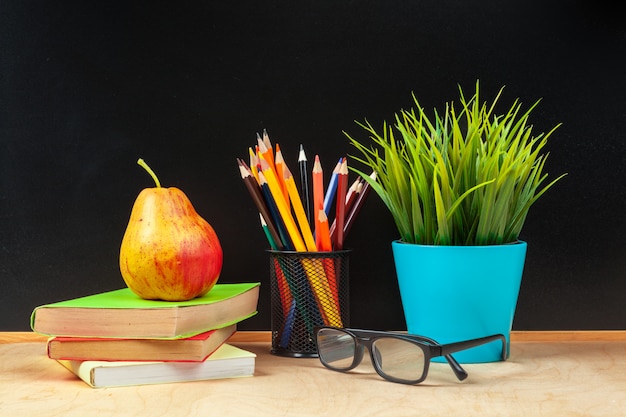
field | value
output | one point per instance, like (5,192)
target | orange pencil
(265,150)
(266,140)
(324,243)
(329,266)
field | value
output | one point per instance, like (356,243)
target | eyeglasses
(397,357)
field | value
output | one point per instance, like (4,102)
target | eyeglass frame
(431,348)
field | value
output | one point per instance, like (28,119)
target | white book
(226,362)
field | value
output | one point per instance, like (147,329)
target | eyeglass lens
(396,358)
(399,358)
(336,348)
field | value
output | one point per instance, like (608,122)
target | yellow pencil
(328,303)
(298,208)
(279,198)
(279,163)
(253,163)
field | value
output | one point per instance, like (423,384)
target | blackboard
(88,87)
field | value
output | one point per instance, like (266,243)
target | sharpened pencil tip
(301,155)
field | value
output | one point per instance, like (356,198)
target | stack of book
(118,339)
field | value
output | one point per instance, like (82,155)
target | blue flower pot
(455,293)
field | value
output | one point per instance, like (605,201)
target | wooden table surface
(548,374)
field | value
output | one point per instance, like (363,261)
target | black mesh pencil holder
(307,289)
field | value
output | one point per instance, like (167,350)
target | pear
(168,251)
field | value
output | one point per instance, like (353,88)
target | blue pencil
(286,335)
(332,187)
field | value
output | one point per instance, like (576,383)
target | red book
(191,349)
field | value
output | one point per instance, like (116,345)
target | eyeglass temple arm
(450,348)
(447,349)
(460,373)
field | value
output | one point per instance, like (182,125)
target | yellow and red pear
(169,252)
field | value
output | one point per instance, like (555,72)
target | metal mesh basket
(307,289)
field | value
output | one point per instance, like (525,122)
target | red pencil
(356,207)
(318,191)
(325,245)
(342,189)
(353,193)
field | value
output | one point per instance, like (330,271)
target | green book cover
(124,300)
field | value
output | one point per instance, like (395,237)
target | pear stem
(150,171)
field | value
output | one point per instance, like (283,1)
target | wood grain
(542,378)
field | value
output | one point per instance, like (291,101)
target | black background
(88,87)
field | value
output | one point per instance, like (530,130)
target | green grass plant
(460,177)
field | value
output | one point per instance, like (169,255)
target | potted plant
(459,186)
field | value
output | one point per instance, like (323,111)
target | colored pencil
(275,213)
(279,199)
(259,201)
(286,298)
(342,189)
(323,291)
(324,243)
(329,266)
(353,193)
(356,208)
(298,209)
(288,326)
(332,187)
(254,162)
(304,183)
(266,141)
(265,151)
(279,164)
(318,189)
(268,235)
